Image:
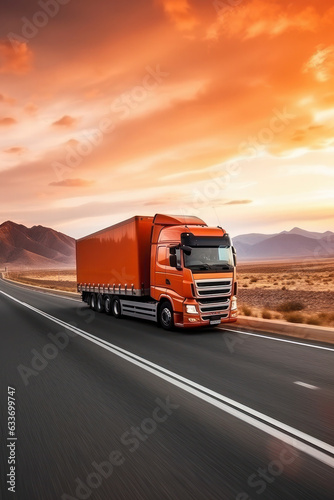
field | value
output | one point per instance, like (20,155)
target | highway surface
(121,409)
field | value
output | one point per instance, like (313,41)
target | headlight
(234,305)
(190,309)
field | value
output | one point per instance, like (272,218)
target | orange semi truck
(174,270)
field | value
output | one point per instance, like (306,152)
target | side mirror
(187,250)
(234,256)
(173,260)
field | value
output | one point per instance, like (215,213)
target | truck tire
(99,303)
(116,307)
(92,301)
(166,319)
(107,305)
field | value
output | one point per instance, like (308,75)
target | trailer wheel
(99,303)
(116,307)
(92,301)
(107,305)
(166,316)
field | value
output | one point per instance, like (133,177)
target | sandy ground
(59,280)
(299,291)
(303,289)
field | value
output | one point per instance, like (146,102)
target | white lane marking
(308,386)
(279,340)
(220,328)
(207,395)
(25,287)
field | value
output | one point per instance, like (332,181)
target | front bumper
(190,320)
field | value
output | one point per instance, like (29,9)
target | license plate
(215,322)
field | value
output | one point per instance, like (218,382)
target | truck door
(160,268)
(174,276)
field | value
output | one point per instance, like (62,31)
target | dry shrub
(266,314)
(247,311)
(314,320)
(294,317)
(326,318)
(290,306)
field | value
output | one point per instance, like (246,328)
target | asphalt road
(120,409)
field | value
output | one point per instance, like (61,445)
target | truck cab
(193,272)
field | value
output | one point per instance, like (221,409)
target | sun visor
(190,240)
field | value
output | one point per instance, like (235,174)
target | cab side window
(162,260)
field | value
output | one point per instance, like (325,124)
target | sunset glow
(222,109)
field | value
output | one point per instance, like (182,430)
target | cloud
(179,12)
(7,100)
(65,121)
(314,136)
(315,170)
(239,202)
(260,17)
(72,142)
(15,150)
(218,95)
(321,64)
(15,57)
(7,121)
(30,109)
(72,183)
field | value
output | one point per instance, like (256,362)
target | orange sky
(221,109)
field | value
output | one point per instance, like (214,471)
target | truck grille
(214,287)
(214,305)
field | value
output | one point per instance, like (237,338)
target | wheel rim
(107,305)
(166,316)
(92,302)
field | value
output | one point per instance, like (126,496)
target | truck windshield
(205,258)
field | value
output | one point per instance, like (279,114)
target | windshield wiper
(200,266)
(222,266)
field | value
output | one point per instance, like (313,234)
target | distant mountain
(293,244)
(309,234)
(36,247)
(44,248)
(251,238)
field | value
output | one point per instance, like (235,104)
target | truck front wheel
(116,307)
(166,316)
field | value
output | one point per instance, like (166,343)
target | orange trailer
(117,256)
(171,269)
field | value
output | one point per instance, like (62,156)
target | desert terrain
(296,291)
(54,279)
